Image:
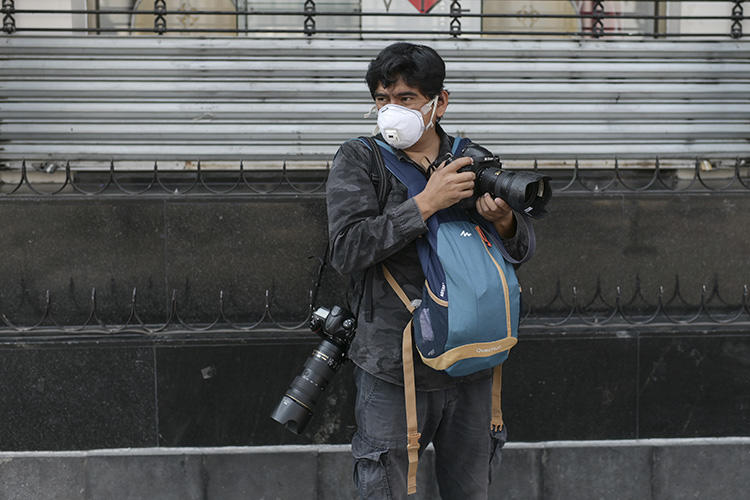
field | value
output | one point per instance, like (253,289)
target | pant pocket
(370,469)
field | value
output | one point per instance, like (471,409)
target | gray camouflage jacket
(362,237)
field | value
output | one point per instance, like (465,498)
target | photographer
(453,412)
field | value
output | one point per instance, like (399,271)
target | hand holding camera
(524,192)
(447,185)
(492,209)
(478,173)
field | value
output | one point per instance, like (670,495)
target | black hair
(418,65)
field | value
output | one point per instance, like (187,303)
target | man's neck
(426,150)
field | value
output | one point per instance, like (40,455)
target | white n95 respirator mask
(402,127)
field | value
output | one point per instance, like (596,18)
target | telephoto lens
(298,403)
(524,191)
(527,192)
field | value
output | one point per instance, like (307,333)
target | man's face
(409,97)
(400,93)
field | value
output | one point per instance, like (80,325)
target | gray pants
(455,420)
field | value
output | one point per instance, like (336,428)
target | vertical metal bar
(242,17)
(597,25)
(661,26)
(160,22)
(455,29)
(309,17)
(9,22)
(737,17)
(92,16)
(98,7)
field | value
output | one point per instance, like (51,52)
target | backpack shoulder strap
(459,144)
(410,393)
(378,174)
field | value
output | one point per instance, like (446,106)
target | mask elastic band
(373,109)
(432,103)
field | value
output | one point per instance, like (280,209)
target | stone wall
(617,470)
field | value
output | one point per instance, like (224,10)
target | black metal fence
(732,176)
(592,19)
(576,311)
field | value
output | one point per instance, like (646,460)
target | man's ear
(442,103)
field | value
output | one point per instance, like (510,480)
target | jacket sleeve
(360,236)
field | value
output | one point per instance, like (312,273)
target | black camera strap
(378,176)
(323,261)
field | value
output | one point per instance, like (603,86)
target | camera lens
(526,192)
(297,405)
(530,192)
(291,414)
(337,329)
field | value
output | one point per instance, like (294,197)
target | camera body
(525,192)
(337,328)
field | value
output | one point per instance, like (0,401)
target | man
(406,82)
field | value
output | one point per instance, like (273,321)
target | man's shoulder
(353,150)
(356,143)
(351,166)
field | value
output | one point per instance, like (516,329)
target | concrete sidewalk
(711,468)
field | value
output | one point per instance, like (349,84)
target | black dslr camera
(337,329)
(526,192)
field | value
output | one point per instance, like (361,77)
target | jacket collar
(446,145)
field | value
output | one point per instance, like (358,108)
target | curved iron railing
(588,313)
(113,184)
(245,182)
(597,311)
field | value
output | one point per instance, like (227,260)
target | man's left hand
(497,211)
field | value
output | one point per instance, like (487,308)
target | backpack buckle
(413,440)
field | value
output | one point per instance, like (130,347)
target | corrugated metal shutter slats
(152,98)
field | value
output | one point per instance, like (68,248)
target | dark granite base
(695,386)
(68,394)
(224,395)
(571,388)
(68,397)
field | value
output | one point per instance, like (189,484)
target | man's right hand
(446,187)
